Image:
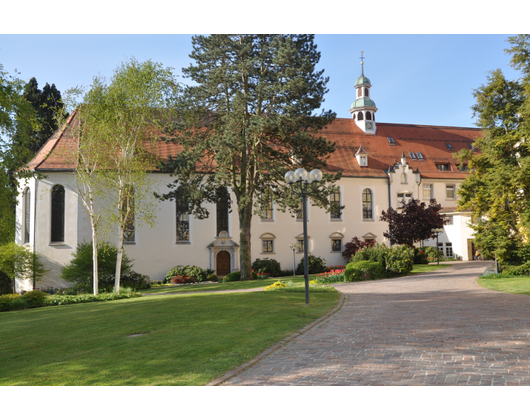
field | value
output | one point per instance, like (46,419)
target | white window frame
(452,188)
(431,191)
(407,197)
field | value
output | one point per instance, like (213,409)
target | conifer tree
(251,116)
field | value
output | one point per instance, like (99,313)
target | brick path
(436,328)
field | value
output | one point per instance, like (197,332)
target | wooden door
(223,263)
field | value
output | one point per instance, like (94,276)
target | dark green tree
(497,189)
(250,116)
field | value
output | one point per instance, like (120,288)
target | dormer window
(442,166)
(360,115)
(420,156)
(391,141)
(449,146)
(368,115)
(412,155)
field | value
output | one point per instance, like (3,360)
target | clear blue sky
(417,79)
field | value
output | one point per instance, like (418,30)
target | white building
(381,163)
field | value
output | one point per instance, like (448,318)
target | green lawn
(518,285)
(424,268)
(234,285)
(191,339)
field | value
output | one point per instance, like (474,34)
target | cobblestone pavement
(437,328)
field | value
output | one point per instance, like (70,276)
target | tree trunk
(245,254)
(118,263)
(95,260)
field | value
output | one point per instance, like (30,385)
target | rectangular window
(403,198)
(449,249)
(391,141)
(334,200)
(267,246)
(336,245)
(449,219)
(267,211)
(300,245)
(442,166)
(440,247)
(420,156)
(427,192)
(450,191)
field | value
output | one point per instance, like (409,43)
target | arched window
(334,200)
(366,92)
(353,116)
(367,204)
(183,217)
(27,218)
(222,210)
(368,115)
(57,213)
(359,92)
(360,116)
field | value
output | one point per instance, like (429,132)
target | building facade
(382,165)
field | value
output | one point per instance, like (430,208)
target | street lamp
(437,231)
(293,248)
(299,181)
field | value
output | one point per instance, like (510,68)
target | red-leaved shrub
(182,280)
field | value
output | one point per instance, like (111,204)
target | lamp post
(437,231)
(300,181)
(293,248)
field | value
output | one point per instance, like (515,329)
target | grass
(234,285)
(517,285)
(189,340)
(425,268)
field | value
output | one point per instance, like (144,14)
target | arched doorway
(223,263)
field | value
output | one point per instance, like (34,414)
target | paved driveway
(437,328)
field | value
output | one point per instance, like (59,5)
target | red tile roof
(430,141)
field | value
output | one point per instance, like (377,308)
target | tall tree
(414,223)
(497,189)
(249,118)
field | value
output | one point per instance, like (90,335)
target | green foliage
(19,261)
(376,253)
(212,277)
(497,188)
(432,252)
(80,269)
(236,276)
(314,265)
(517,270)
(266,265)
(6,284)
(35,298)
(261,97)
(420,256)
(363,270)
(301,289)
(12,302)
(351,248)
(197,273)
(135,281)
(400,260)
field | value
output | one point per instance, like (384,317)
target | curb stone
(234,372)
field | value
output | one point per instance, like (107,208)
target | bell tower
(363,109)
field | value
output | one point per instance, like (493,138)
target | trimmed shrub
(182,280)
(12,302)
(102,297)
(35,298)
(197,273)
(236,276)
(517,270)
(285,273)
(364,270)
(400,260)
(212,277)
(314,265)
(266,265)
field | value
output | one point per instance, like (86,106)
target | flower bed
(333,276)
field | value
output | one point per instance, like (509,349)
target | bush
(135,281)
(314,265)
(182,280)
(12,302)
(517,270)
(399,260)
(266,265)
(364,270)
(432,252)
(236,276)
(351,248)
(420,257)
(285,273)
(212,277)
(80,270)
(197,273)
(377,253)
(35,298)
(6,284)
(102,297)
